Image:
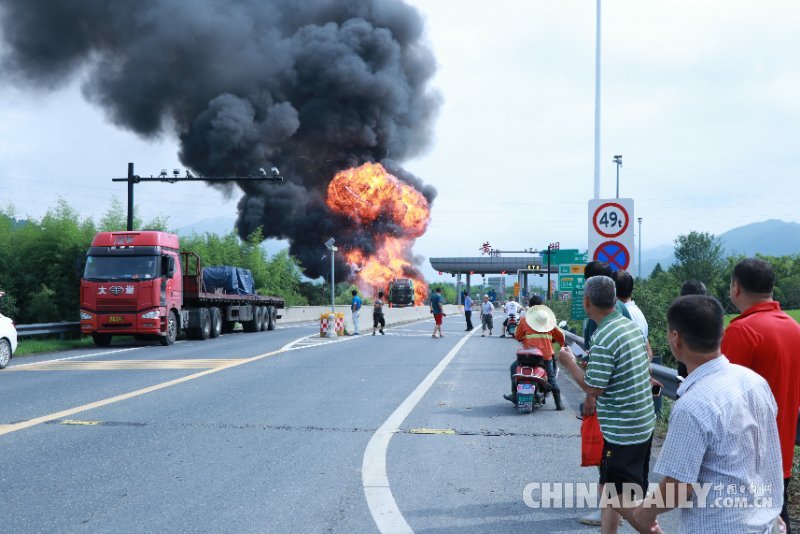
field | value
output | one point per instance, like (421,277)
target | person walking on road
(355,307)
(617,383)
(487,308)
(765,339)
(468,311)
(377,314)
(437,311)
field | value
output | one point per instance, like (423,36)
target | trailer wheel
(271,319)
(216,322)
(252,324)
(260,324)
(264,318)
(101,340)
(172,330)
(204,330)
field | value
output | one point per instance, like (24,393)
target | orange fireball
(369,191)
(366,193)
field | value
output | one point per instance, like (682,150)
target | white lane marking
(379,496)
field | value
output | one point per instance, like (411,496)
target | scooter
(511,327)
(530,380)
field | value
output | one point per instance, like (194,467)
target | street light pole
(329,243)
(132,179)
(640,247)
(618,161)
(597,107)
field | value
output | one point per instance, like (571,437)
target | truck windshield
(121,267)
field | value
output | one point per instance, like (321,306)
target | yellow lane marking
(78,422)
(113,365)
(63,414)
(431,431)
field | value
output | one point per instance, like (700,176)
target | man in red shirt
(766,340)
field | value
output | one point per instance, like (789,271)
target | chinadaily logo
(588,495)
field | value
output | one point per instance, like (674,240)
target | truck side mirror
(168,266)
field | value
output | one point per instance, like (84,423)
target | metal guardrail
(666,375)
(48,328)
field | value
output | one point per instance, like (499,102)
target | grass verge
(28,346)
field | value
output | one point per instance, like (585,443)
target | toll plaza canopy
(489,264)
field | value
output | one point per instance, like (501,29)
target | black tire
(252,324)
(264,319)
(172,330)
(272,319)
(204,330)
(5,353)
(216,322)
(101,340)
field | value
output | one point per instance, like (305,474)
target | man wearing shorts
(618,377)
(487,308)
(437,311)
(378,320)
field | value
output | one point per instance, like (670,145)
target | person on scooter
(510,308)
(538,330)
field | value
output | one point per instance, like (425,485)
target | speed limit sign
(611,231)
(610,219)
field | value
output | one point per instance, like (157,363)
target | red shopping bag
(591,441)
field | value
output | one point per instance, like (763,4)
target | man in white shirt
(624,282)
(487,308)
(721,459)
(511,307)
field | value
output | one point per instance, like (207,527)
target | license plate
(115,319)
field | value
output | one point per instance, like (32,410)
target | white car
(8,340)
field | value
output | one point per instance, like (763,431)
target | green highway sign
(578,313)
(571,279)
(566,255)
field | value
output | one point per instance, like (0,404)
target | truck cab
(132,285)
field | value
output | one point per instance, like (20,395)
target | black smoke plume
(309,86)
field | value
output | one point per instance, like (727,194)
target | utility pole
(131,179)
(550,248)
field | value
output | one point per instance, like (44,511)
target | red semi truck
(139,283)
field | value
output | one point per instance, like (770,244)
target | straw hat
(540,318)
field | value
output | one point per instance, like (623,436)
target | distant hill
(771,238)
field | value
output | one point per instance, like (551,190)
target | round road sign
(614,253)
(610,219)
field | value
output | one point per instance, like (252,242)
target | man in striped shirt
(618,377)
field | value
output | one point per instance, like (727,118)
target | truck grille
(115,304)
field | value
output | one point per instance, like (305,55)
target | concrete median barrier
(393,316)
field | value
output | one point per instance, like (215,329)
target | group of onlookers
(732,430)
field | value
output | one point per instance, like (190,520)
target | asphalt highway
(273,432)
